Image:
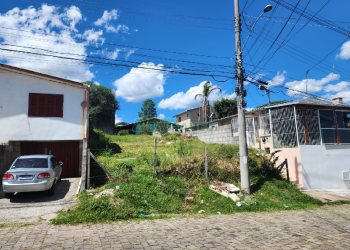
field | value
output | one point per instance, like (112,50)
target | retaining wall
(221,134)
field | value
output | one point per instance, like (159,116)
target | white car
(32,173)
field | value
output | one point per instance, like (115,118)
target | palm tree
(207,89)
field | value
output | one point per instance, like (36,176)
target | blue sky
(165,50)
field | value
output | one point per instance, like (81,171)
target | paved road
(326,228)
(36,206)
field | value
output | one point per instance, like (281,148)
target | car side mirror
(60,163)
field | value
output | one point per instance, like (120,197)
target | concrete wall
(221,134)
(322,166)
(15,125)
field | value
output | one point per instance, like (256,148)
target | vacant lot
(179,186)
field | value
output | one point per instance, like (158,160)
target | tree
(208,88)
(148,110)
(225,107)
(102,107)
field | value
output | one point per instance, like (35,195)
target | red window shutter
(59,106)
(45,105)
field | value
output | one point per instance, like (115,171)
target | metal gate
(65,151)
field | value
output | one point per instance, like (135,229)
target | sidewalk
(325,228)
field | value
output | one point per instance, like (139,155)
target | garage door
(65,151)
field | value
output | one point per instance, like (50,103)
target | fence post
(206,162)
(155,157)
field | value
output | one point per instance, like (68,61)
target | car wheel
(51,191)
(8,195)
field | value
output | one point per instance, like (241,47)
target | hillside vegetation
(179,186)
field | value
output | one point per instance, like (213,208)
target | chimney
(338,100)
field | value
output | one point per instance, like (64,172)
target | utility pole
(243,149)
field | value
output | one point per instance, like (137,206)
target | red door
(65,151)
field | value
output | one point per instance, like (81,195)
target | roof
(187,111)
(34,156)
(310,102)
(41,75)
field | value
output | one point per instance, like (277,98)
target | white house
(42,114)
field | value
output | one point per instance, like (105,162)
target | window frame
(335,126)
(45,105)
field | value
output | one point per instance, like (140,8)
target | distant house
(147,126)
(42,114)
(193,117)
(313,135)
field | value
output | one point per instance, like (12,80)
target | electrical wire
(319,20)
(102,58)
(120,45)
(278,35)
(119,64)
(286,40)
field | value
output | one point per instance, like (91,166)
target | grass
(179,187)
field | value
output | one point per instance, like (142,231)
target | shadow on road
(61,190)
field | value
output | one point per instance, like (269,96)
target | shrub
(171,137)
(123,132)
(101,144)
(224,151)
(183,148)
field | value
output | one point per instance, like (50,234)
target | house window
(335,126)
(308,126)
(45,105)
(283,128)
(179,119)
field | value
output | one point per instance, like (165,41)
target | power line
(279,34)
(307,57)
(260,34)
(304,93)
(102,58)
(322,21)
(119,64)
(285,41)
(126,46)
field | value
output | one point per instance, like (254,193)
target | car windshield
(30,163)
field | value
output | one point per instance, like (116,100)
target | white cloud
(129,53)
(345,51)
(278,79)
(47,27)
(117,119)
(74,14)
(339,87)
(106,17)
(313,85)
(161,116)
(185,100)
(141,83)
(93,36)
(113,54)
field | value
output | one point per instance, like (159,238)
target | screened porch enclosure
(301,125)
